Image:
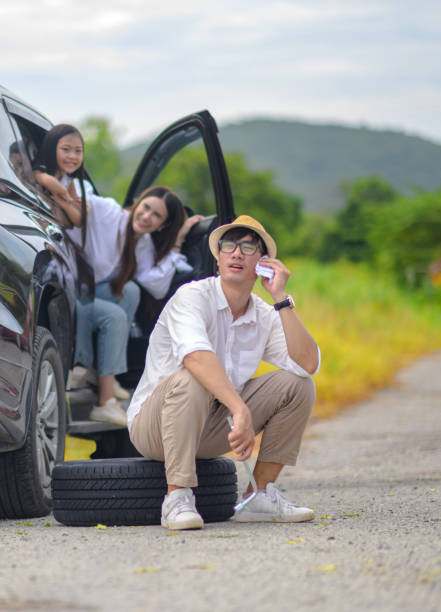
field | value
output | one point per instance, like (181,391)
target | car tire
(130,491)
(25,474)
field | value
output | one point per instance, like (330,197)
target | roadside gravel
(373,476)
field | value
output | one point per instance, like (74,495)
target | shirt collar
(221,300)
(221,303)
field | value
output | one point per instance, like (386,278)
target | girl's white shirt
(106,230)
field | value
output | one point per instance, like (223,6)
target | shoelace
(183,503)
(279,499)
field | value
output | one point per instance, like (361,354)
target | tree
(405,236)
(102,157)
(353,221)
(348,236)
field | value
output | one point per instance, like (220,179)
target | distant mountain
(312,160)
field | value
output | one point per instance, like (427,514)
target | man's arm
(302,347)
(207,369)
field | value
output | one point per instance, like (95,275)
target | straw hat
(248,223)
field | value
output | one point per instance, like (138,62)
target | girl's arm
(52,184)
(62,196)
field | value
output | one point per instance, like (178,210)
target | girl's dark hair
(46,161)
(163,239)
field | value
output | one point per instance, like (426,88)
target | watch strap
(288,302)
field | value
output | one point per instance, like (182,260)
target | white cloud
(144,62)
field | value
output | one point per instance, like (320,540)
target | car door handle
(55,233)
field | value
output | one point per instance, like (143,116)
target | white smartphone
(265,271)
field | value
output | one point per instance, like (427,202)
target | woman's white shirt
(106,228)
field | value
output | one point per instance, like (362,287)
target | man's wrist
(286,302)
(238,407)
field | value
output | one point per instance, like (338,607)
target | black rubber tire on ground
(130,491)
(25,474)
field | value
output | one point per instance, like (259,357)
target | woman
(142,243)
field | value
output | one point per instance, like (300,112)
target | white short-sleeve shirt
(198,318)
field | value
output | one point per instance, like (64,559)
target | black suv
(41,274)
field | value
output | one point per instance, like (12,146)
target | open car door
(187,157)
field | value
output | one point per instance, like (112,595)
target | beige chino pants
(181,420)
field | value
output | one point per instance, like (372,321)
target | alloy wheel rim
(47,424)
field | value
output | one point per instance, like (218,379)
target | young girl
(141,243)
(58,168)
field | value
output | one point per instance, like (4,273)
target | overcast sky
(144,63)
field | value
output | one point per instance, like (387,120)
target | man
(206,346)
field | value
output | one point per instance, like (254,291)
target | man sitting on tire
(206,346)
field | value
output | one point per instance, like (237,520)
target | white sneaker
(179,511)
(76,378)
(119,392)
(111,412)
(270,505)
(81,377)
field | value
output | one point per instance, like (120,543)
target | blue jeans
(131,295)
(110,322)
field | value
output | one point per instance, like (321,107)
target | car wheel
(130,491)
(25,474)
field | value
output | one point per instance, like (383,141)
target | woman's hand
(188,224)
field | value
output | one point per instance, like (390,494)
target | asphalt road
(373,476)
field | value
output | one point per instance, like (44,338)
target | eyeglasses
(246,247)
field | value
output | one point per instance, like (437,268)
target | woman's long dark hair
(46,161)
(163,239)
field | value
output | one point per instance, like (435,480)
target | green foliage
(310,236)
(345,234)
(405,236)
(352,222)
(102,157)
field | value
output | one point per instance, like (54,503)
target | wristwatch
(288,302)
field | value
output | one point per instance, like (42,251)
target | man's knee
(297,389)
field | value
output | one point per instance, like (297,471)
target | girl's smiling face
(69,154)
(149,216)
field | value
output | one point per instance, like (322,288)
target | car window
(13,151)
(29,139)
(188,173)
